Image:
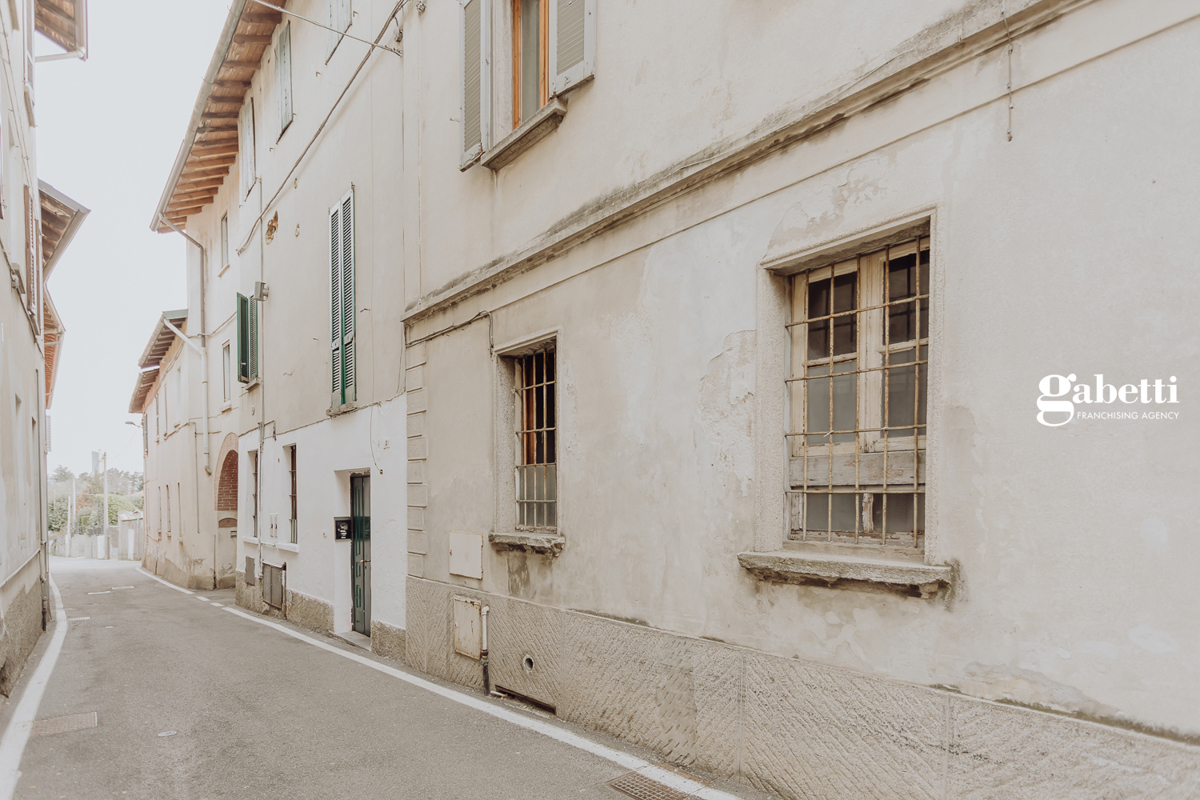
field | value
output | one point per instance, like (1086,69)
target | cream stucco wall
(1062,251)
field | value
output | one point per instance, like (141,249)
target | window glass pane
(531,58)
(841,415)
(905,391)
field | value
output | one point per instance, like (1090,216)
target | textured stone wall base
(792,728)
(170,571)
(388,641)
(305,610)
(20,632)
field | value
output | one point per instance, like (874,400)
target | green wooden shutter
(348,315)
(253,339)
(243,338)
(335,305)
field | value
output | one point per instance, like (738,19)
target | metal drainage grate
(71,722)
(638,786)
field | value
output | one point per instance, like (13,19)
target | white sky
(108,132)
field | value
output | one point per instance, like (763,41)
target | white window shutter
(338,19)
(476,113)
(348,315)
(283,69)
(572,44)
(335,304)
(246,146)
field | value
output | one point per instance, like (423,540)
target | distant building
(186,537)
(37,222)
(748,358)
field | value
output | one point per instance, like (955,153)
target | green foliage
(61,475)
(58,512)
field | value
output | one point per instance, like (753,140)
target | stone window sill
(526,135)
(288,546)
(345,408)
(549,544)
(850,571)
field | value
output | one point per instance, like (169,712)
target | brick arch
(225,487)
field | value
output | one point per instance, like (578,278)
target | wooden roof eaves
(195,126)
(79,213)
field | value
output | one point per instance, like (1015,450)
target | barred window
(860,353)
(536,478)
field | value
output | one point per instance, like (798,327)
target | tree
(57,512)
(61,474)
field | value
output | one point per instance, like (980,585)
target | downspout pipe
(483,653)
(203,348)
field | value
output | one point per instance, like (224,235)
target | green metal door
(360,551)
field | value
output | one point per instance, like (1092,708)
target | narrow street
(194,699)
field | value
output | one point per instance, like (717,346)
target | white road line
(204,599)
(218,605)
(12,745)
(106,591)
(626,760)
(164,583)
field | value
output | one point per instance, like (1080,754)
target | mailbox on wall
(342,528)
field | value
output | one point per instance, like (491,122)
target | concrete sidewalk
(191,701)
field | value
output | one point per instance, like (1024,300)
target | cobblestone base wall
(21,630)
(388,640)
(792,728)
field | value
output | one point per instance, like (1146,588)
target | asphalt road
(194,702)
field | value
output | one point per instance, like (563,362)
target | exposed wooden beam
(48,8)
(223,161)
(207,173)
(219,125)
(251,38)
(200,197)
(241,64)
(219,115)
(224,84)
(185,212)
(200,183)
(222,136)
(213,149)
(261,17)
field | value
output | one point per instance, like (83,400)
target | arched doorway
(225,490)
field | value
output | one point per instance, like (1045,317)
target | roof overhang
(63,22)
(211,144)
(156,349)
(52,333)
(61,218)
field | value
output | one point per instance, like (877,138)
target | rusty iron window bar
(859,337)
(536,474)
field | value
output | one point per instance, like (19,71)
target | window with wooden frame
(536,417)
(552,48)
(858,398)
(226,372)
(247,336)
(342,316)
(531,52)
(293,527)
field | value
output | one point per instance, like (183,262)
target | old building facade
(757,370)
(37,223)
(279,170)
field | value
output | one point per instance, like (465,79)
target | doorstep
(355,638)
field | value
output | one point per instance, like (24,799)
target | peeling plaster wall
(1067,250)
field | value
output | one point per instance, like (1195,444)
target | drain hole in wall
(527,662)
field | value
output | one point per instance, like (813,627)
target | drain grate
(71,722)
(639,787)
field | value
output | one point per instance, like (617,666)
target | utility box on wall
(468,627)
(466,554)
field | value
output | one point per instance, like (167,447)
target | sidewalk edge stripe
(630,762)
(168,584)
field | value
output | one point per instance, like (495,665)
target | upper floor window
(283,76)
(858,390)
(224,243)
(246,146)
(294,517)
(553,50)
(226,372)
(341,301)
(339,15)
